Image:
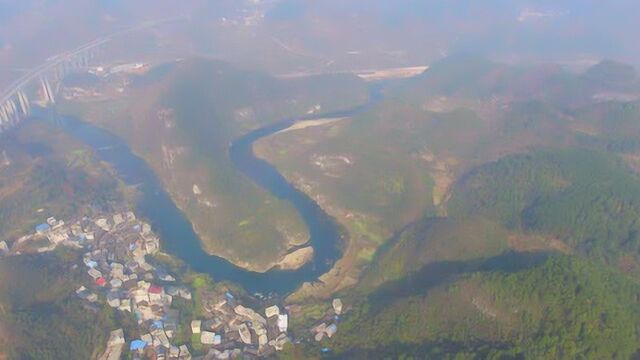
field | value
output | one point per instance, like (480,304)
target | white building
(272,311)
(207,338)
(283,322)
(195,326)
(337,306)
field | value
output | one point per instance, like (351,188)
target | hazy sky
(298,34)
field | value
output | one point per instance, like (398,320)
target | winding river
(175,230)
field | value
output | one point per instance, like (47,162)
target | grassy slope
(388,180)
(213,104)
(48,171)
(432,240)
(390,175)
(402,160)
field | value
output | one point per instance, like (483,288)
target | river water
(176,232)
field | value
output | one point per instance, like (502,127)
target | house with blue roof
(137,345)
(43,228)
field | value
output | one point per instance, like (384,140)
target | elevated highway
(15,100)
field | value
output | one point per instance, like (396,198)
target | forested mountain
(38,318)
(44,172)
(528,246)
(589,200)
(561,307)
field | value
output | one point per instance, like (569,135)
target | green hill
(612,73)
(43,173)
(588,199)
(563,308)
(465,76)
(40,319)
(461,75)
(434,240)
(610,125)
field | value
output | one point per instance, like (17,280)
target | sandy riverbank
(303,124)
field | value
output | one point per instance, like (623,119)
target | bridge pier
(15,104)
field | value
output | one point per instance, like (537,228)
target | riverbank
(177,231)
(284,258)
(296,259)
(181,122)
(178,236)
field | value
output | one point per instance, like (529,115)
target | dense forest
(534,251)
(563,307)
(40,318)
(588,199)
(48,174)
(434,240)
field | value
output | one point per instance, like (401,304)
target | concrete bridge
(40,84)
(15,101)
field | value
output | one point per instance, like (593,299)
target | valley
(336,179)
(233,216)
(436,192)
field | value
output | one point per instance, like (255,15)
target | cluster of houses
(231,329)
(116,262)
(59,233)
(117,248)
(328,325)
(117,255)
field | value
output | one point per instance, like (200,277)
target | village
(118,258)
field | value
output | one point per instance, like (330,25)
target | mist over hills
(301,35)
(487,207)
